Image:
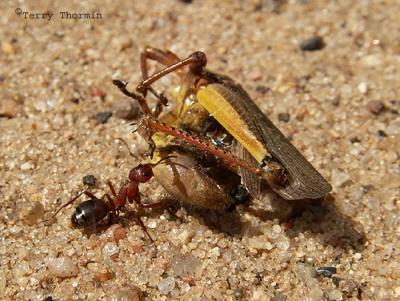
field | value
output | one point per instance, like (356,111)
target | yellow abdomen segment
(221,109)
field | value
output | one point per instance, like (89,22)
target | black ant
(91,211)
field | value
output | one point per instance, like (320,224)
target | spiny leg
(141,100)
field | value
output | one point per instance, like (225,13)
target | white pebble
(277,229)
(62,267)
(166,285)
(260,243)
(110,249)
(283,244)
(363,87)
(338,178)
(26,166)
(21,269)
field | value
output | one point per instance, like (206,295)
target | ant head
(141,173)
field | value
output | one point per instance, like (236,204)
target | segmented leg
(196,61)
(165,58)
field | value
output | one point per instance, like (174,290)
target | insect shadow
(322,218)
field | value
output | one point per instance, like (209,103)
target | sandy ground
(340,105)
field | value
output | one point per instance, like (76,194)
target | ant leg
(65,205)
(196,61)
(141,224)
(112,189)
(113,212)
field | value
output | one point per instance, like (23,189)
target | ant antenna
(65,205)
(162,159)
(127,146)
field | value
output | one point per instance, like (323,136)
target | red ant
(93,210)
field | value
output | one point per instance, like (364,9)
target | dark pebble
(284,117)
(326,271)
(238,294)
(279,297)
(262,89)
(381,133)
(355,139)
(375,107)
(89,180)
(102,117)
(312,44)
(48,298)
(367,188)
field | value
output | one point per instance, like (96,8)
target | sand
(339,104)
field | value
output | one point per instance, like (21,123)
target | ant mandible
(94,210)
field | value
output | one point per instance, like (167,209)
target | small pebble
(338,178)
(9,108)
(48,298)
(260,243)
(62,267)
(363,87)
(375,107)
(305,272)
(238,293)
(185,265)
(132,293)
(355,140)
(96,91)
(316,294)
(284,117)
(255,75)
(27,166)
(381,133)
(8,48)
(262,89)
(110,249)
(335,295)
(89,180)
(279,297)
(312,44)
(31,212)
(326,271)
(166,285)
(276,229)
(114,233)
(100,272)
(102,117)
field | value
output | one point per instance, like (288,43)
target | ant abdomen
(89,212)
